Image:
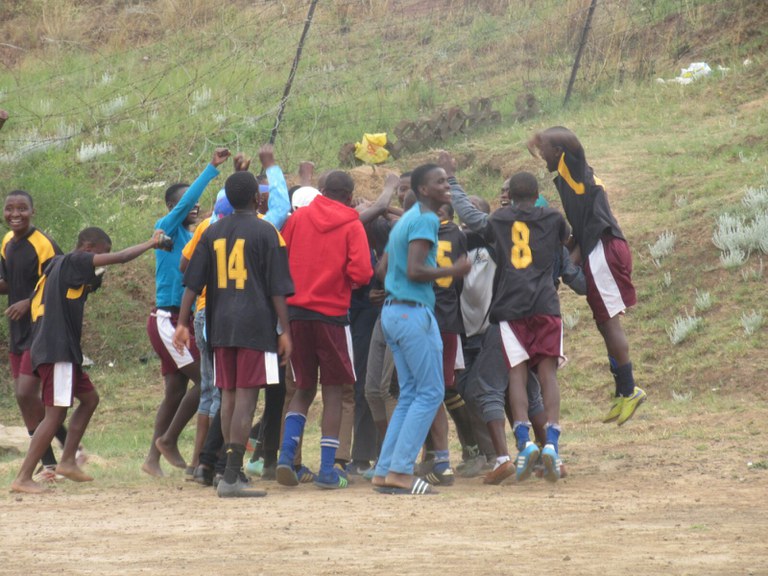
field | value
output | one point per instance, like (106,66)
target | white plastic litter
(687,75)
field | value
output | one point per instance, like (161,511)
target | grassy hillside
(110,100)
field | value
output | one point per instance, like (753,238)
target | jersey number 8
(521,256)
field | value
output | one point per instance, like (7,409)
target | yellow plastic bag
(371,150)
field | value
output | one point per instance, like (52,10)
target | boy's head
(504,196)
(403,187)
(445,213)
(173,194)
(18,211)
(303,197)
(552,142)
(523,187)
(221,207)
(430,184)
(242,189)
(93,240)
(339,186)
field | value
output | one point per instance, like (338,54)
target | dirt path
(651,499)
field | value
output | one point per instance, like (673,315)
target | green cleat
(615,411)
(631,404)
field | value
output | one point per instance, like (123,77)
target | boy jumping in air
(600,243)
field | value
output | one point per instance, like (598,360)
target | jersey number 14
(232,266)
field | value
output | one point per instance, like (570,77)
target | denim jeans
(414,338)
(210,396)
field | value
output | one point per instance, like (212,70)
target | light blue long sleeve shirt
(168,277)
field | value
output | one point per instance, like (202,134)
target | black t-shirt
(526,242)
(243,262)
(585,203)
(451,245)
(22,262)
(57,309)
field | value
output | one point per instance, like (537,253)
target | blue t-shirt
(414,225)
(168,277)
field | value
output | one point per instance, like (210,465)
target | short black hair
(339,186)
(406,174)
(173,190)
(448,209)
(93,236)
(23,193)
(523,186)
(419,175)
(241,188)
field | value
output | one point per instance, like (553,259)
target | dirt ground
(663,495)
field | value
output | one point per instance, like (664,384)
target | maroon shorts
(450,349)
(608,271)
(325,346)
(244,368)
(62,382)
(532,339)
(160,327)
(21,364)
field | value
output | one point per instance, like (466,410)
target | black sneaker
(238,490)
(203,475)
(444,478)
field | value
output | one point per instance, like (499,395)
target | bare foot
(28,487)
(153,469)
(73,472)
(377,480)
(397,480)
(81,456)
(171,453)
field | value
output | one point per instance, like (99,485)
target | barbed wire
(328,88)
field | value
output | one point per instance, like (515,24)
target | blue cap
(222,207)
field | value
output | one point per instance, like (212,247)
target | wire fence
(366,67)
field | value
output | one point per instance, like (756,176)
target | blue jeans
(210,396)
(412,334)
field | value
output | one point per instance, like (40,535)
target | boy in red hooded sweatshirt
(328,256)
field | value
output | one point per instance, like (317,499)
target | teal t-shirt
(413,225)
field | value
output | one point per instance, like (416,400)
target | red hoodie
(327,253)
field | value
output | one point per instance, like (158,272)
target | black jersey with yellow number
(22,261)
(526,242)
(242,262)
(57,309)
(585,202)
(451,245)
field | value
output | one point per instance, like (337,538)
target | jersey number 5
(230,267)
(444,249)
(521,256)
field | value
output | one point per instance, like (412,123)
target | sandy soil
(650,498)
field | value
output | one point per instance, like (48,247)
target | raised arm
(278,205)
(380,207)
(171,221)
(476,220)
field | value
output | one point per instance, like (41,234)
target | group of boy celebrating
(469,317)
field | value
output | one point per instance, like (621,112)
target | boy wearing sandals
(411,330)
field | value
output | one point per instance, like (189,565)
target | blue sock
(294,428)
(553,435)
(521,431)
(328,447)
(442,461)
